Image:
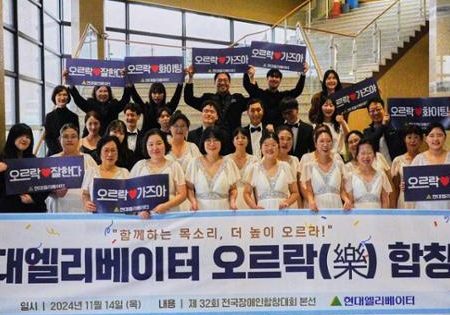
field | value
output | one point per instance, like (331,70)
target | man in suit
(231,106)
(255,112)
(134,135)
(303,141)
(384,137)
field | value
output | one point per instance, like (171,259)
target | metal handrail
(84,35)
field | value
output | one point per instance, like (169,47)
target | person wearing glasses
(385,138)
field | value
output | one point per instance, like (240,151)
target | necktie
(131,133)
(293,125)
(253,129)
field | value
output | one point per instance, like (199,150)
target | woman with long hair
(88,143)
(126,157)
(330,84)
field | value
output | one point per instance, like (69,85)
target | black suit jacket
(249,148)
(54,120)
(305,140)
(394,138)
(195,136)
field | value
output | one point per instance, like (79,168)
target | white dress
(212,193)
(420,160)
(326,186)
(338,137)
(294,163)
(191,152)
(367,195)
(270,190)
(72,201)
(173,169)
(379,163)
(397,170)
(251,159)
(94,172)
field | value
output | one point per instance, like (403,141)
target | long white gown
(251,159)
(189,153)
(326,186)
(367,195)
(338,138)
(171,168)
(419,160)
(212,193)
(294,163)
(379,163)
(397,170)
(72,201)
(270,190)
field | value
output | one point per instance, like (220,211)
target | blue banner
(130,195)
(419,111)
(43,174)
(279,56)
(233,60)
(425,183)
(154,69)
(355,96)
(95,72)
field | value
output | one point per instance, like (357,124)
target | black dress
(54,120)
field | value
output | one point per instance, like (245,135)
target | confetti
(435,223)
(356,223)
(113,241)
(28,226)
(446,218)
(108,228)
(363,242)
(324,217)
(52,231)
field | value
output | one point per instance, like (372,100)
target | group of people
(275,162)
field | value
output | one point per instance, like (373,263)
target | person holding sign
(272,181)
(57,118)
(368,187)
(155,162)
(436,154)
(231,106)
(108,150)
(413,140)
(324,177)
(102,102)
(211,179)
(19,145)
(330,84)
(126,156)
(271,97)
(69,200)
(157,98)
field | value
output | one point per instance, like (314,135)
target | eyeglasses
(376,110)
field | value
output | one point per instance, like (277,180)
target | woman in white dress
(243,161)
(272,180)
(368,186)
(181,150)
(436,154)
(323,177)
(69,200)
(286,138)
(108,150)
(155,162)
(413,137)
(211,180)
(337,124)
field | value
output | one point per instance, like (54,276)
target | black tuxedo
(249,148)
(195,136)
(305,140)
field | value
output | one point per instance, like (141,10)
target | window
(114,14)
(155,20)
(154,50)
(195,27)
(29,19)
(242,29)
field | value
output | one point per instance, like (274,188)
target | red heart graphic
(445,180)
(46,172)
(132,193)
(277,55)
(96,71)
(222,60)
(352,96)
(418,111)
(155,68)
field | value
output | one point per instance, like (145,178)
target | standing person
(155,162)
(108,151)
(337,124)
(157,98)
(88,144)
(69,200)
(385,138)
(134,135)
(163,114)
(436,154)
(243,161)
(272,180)
(102,102)
(58,117)
(19,145)
(413,140)
(330,84)
(271,97)
(255,129)
(368,187)
(211,179)
(324,177)
(231,106)
(303,141)
(126,157)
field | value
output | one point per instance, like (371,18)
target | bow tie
(253,129)
(293,125)
(132,133)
